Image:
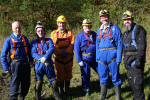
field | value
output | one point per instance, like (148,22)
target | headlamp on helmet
(86,22)
(103,12)
(39,25)
(61,19)
(127,15)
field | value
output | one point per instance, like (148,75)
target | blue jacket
(7,47)
(105,43)
(44,47)
(80,43)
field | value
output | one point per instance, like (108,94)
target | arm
(77,49)
(5,50)
(97,48)
(57,51)
(70,48)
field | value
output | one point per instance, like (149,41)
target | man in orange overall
(64,43)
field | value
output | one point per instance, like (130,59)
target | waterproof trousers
(20,75)
(135,77)
(85,73)
(64,67)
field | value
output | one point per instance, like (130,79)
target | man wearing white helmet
(42,49)
(63,42)
(85,52)
(134,42)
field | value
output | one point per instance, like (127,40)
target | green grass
(76,88)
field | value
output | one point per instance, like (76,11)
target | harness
(109,34)
(62,39)
(133,39)
(132,44)
(12,55)
(88,44)
(111,40)
(39,47)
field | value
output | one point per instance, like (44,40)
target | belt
(88,54)
(107,48)
(106,63)
(63,62)
(130,53)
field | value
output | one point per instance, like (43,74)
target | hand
(63,54)
(81,63)
(47,64)
(31,64)
(8,72)
(42,60)
(118,63)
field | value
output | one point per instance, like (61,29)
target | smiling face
(87,28)
(16,28)
(40,32)
(61,25)
(104,19)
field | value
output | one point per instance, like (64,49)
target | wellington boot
(118,92)
(67,84)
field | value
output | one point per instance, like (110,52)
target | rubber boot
(38,95)
(21,98)
(61,92)
(56,94)
(86,92)
(67,84)
(118,92)
(103,92)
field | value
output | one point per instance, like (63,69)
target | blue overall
(107,55)
(40,68)
(20,68)
(80,42)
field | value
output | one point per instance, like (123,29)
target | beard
(127,28)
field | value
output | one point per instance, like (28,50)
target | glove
(81,63)
(47,64)
(63,54)
(42,60)
(138,63)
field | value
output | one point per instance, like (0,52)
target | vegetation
(28,12)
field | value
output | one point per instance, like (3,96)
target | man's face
(104,19)
(127,22)
(61,25)
(87,28)
(40,32)
(16,28)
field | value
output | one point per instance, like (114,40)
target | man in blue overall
(18,47)
(42,49)
(85,52)
(134,41)
(108,54)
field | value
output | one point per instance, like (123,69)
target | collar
(17,36)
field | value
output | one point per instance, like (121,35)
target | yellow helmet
(127,14)
(61,18)
(103,12)
(86,22)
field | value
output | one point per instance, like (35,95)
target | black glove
(63,54)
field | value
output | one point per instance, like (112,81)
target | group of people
(101,51)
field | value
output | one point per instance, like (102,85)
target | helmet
(61,18)
(39,25)
(127,14)
(103,12)
(86,22)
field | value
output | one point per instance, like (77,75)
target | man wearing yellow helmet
(85,52)
(63,42)
(134,42)
(108,54)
